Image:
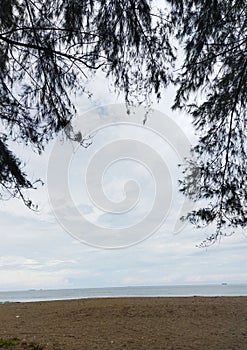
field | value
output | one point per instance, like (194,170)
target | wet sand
(129,323)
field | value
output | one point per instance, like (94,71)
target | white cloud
(35,252)
(29,279)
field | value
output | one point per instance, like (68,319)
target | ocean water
(115,292)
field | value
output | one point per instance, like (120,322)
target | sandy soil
(129,323)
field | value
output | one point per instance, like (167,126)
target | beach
(128,323)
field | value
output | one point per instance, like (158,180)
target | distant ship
(224,284)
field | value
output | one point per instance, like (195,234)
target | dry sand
(129,323)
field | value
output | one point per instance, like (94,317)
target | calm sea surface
(150,291)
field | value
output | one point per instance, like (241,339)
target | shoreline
(210,290)
(7,302)
(148,323)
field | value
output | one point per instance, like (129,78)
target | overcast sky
(83,234)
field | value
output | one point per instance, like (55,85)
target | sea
(33,295)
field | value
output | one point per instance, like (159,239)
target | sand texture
(128,323)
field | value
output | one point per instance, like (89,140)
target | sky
(109,213)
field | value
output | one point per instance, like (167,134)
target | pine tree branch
(236,99)
(49,50)
(232,116)
(50,29)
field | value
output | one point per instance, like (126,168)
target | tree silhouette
(215,70)
(48,51)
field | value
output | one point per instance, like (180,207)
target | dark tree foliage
(49,50)
(214,33)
